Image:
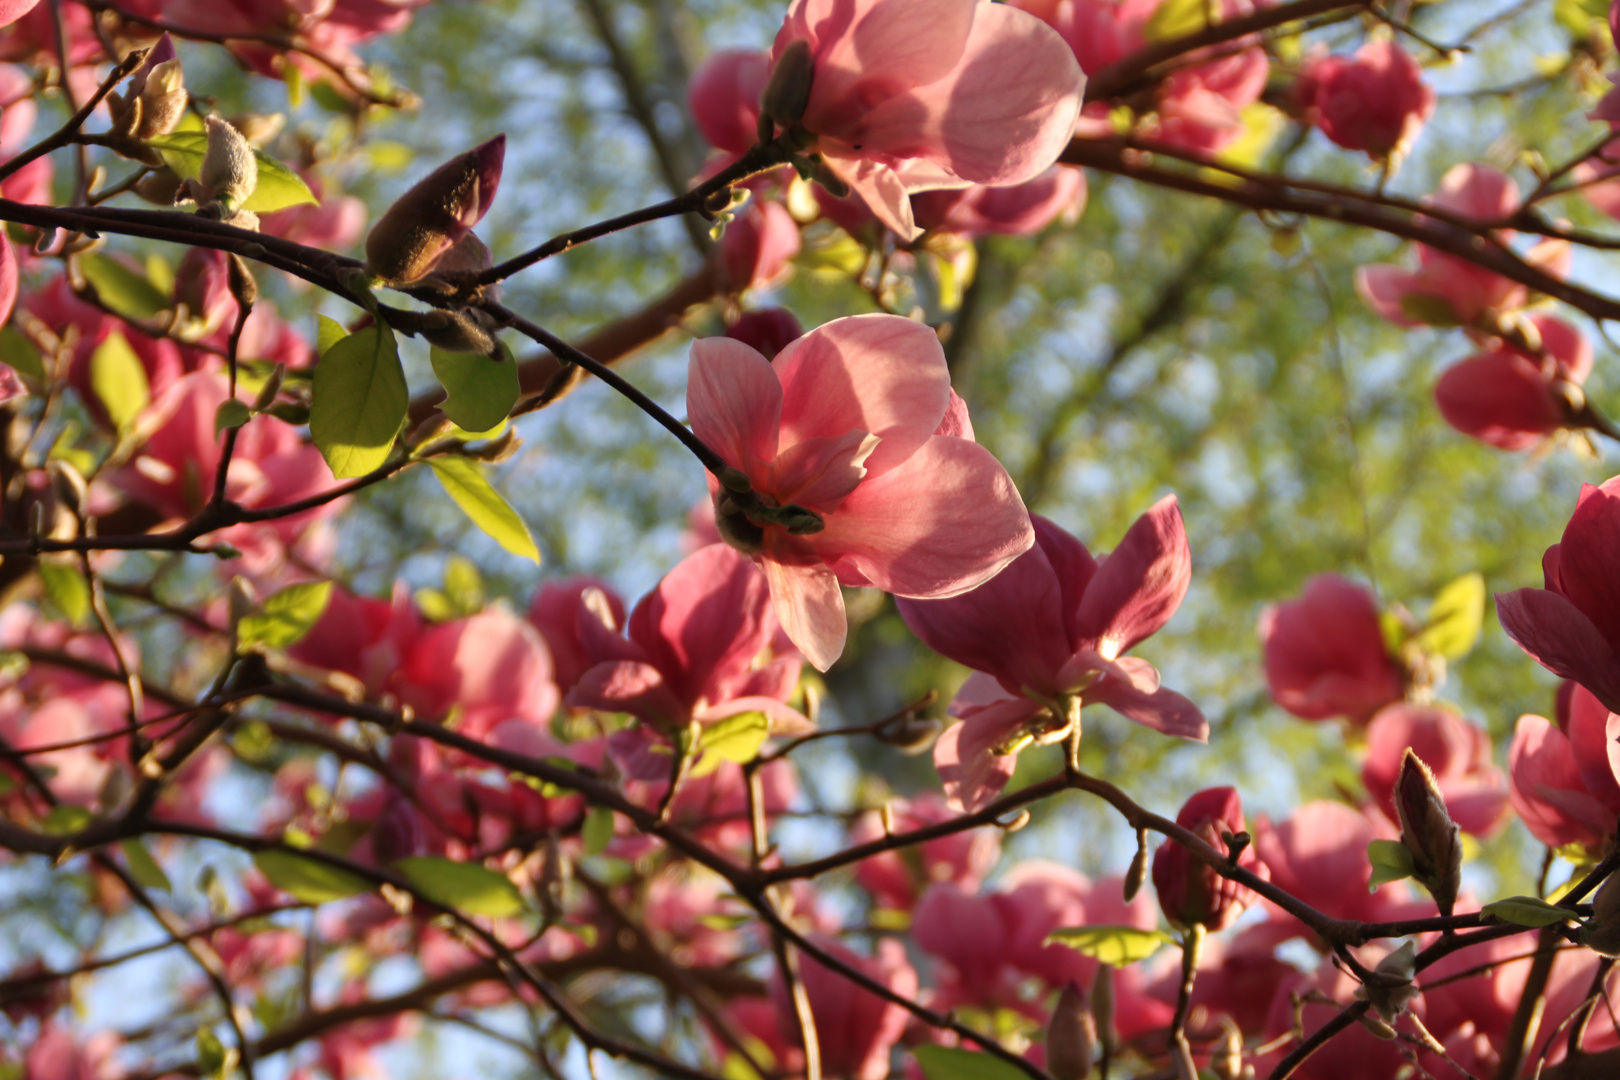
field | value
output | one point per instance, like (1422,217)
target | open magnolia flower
(915,95)
(1049,633)
(853,431)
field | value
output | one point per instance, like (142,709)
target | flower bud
(230,172)
(1102,1005)
(1190,890)
(1391,994)
(1071,1036)
(399,832)
(409,239)
(259,128)
(1428,832)
(161,187)
(787,91)
(244,289)
(463,331)
(767,332)
(69,483)
(1601,933)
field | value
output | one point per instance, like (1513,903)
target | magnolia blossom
(1016,210)
(1375,101)
(693,650)
(559,611)
(855,422)
(759,245)
(1325,653)
(365,638)
(912,95)
(491,668)
(1572,627)
(1566,776)
(1049,633)
(896,880)
(1514,399)
(1455,750)
(1319,855)
(723,97)
(855,1028)
(767,331)
(1190,890)
(1446,290)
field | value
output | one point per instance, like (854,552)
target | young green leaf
(278,188)
(1455,618)
(328,332)
(481,502)
(310,880)
(359,401)
(467,887)
(1116,946)
(954,1063)
(232,413)
(128,292)
(142,866)
(284,618)
(1390,862)
(66,589)
(1178,18)
(480,390)
(598,830)
(21,355)
(735,738)
(119,379)
(65,820)
(1528,911)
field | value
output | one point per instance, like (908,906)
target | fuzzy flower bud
(787,93)
(1601,933)
(1190,890)
(1428,832)
(1391,994)
(399,832)
(230,172)
(1071,1036)
(156,98)
(409,239)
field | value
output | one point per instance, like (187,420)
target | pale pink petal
(1547,790)
(1562,639)
(1592,732)
(1004,114)
(1083,667)
(972,773)
(944,522)
(1163,710)
(957,423)
(1477,191)
(1138,587)
(1383,286)
(877,185)
(1500,398)
(8,280)
(723,96)
(810,608)
(629,687)
(819,472)
(734,401)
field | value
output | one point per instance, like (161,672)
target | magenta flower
(758,246)
(896,880)
(912,95)
(1325,653)
(1563,795)
(365,638)
(1572,627)
(1018,210)
(1190,890)
(1375,101)
(723,97)
(767,331)
(491,668)
(1455,750)
(855,1028)
(559,610)
(1049,633)
(693,650)
(854,422)
(1513,399)
(1320,856)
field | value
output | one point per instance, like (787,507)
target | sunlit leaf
(597,832)
(359,401)
(735,738)
(1113,945)
(1390,861)
(1528,911)
(142,866)
(955,1063)
(466,484)
(278,188)
(310,880)
(119,379)
(1178,18)
(66,588)
(480,389)
(467,887)
(1455,618)
(284,618)
(128,292)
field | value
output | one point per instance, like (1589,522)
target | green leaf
(309,880)
(212,1057)
(253,740)
(359,402)
(128,292)
(1528,911)
(66,589)
(481,502)
(1178,18)
(1429,310)
(466,887)
(21,355)
(1455,618)
(954,1063)
(1390,862)
(736,738)
(66,820)
(387,157)
(1116,946)
(597,831)
(279,187)
(284,618)
(143,867)
(119,379)
(328,332)
(481,390)
(232,413)
(463,585)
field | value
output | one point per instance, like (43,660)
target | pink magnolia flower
(1456,751)
(1448,291)
(854,422)
(693,650)
(12,10)
(854,1027)
(1572,627)
(1190,890)
(1049,633)
(1375,101)
(1564,778)
(492,667)
(1201,107)
(895,880)
(767,331)
(1325,653)
(1018,210)
(362,637)
(57,1055)
(1513,399)
(8,280)
(723,97)
(59,309)
(557,611)
(911,95)
(759,245)
(1319,855)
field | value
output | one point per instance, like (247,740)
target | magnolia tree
(307,771)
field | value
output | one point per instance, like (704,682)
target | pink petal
(819,472)
(1003,115)
(972,774)
(1589,559)
(1547,790)
(735,402)
(12,10)
(629,687)
(1011,626)
(1163,710)
(1499,398)
(944,522)
(1382,286)
(723,96)
(871,373)
(1072,564)
(1140,585)
(1479,192)
(1561,639)
(810,608)
(1592,733)
(8,280)
(1325,652)
(876,185)
(956,423)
